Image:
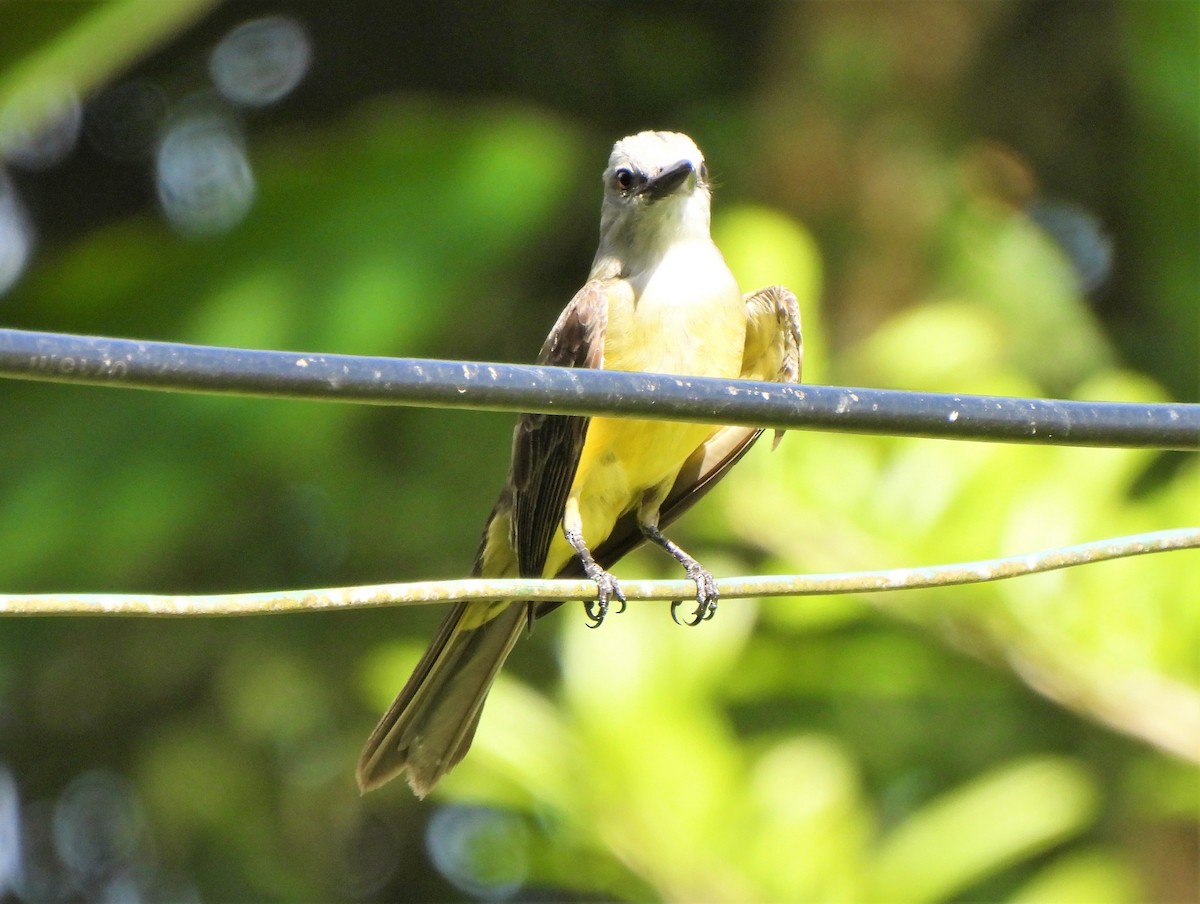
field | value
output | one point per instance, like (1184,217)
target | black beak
(665,183)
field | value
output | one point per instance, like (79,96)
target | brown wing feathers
(546,447)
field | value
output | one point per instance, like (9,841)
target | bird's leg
(606,585)
(706,584)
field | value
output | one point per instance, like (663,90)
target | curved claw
(706,598)
(675,612)
(595,610)
(606,588)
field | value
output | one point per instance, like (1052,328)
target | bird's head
(655,193)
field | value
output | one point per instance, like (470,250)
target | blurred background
(995,197)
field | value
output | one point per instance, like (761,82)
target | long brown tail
(430,725)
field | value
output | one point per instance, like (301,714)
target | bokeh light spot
(1079,235)
(260,61)
(204,179)
(99,827)
(16,235)
(39,130)
(10,833)
(483,852)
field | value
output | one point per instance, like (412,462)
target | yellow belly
(621,461)
(685,323)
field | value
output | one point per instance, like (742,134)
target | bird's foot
(607,589)
(706,596)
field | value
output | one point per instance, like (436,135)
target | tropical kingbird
(582,492)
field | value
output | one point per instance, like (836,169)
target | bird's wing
(546,447)
(773,352)
(774,347)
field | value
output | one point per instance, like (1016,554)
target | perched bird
(582,492)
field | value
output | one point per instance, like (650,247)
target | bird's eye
(703,172)
(624,178)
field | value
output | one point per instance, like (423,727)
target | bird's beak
(668,181)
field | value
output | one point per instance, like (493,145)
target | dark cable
(65,358)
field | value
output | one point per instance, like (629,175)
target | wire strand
(429,592)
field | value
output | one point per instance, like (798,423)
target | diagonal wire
(428,592)
(64,358)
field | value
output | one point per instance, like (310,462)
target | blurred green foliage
(1029,741)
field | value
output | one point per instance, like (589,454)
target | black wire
(127,363)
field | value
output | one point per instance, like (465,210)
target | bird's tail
(431,723)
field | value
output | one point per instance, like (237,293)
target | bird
(582,492)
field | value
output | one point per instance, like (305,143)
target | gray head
(655,193)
